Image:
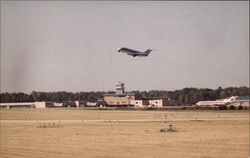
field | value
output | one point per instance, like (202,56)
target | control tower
(120,98)
(119,87)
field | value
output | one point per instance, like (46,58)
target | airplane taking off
(134,53)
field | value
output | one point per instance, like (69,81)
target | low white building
(156,103)
(91,104)
(139,103)
(23,105)
(151,102)
(58,105)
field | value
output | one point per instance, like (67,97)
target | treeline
(186,96)
(190,96)
(50,96)
(15,97)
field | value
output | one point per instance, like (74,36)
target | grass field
(78,114)
(193,139)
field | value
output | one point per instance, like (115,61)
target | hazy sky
(72,46)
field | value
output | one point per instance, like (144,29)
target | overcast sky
(72,46)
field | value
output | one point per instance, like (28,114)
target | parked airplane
(134,53)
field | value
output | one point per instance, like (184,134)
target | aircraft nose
(118,49)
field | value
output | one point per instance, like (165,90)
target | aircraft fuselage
(134,53)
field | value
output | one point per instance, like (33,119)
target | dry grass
(208,139)
(75,114)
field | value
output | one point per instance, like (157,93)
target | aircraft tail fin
(148,51)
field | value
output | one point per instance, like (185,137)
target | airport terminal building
(120,98)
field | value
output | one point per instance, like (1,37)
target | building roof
(17,103)
(155,98)
(120,95)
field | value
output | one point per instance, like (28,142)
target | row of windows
(156,102)
(138,102)
(117,102)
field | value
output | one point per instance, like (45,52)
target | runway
(124,121)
